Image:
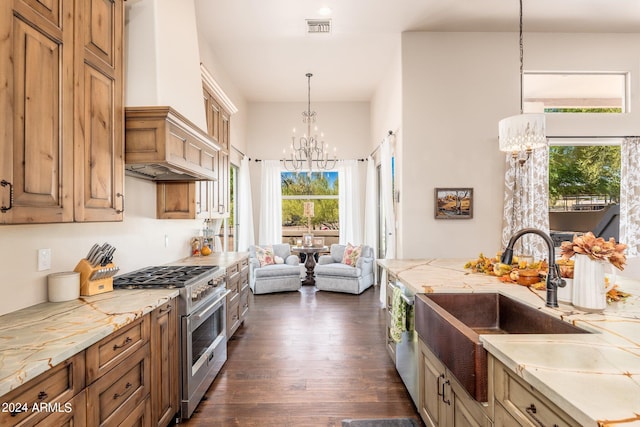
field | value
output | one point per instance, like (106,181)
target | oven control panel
(200,291)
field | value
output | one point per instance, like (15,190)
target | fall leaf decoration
(596,248)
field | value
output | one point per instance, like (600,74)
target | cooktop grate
(169,276)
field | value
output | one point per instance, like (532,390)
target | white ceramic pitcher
(589,290)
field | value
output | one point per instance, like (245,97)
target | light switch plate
(44,259)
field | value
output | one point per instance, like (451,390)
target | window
(575,92)
(232,221)
(584,186)
(320,188)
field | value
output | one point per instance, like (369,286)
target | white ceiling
(264,47)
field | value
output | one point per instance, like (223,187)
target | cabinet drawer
(56,386)
(233,317)
(525,403)
(107,353)
(113,397)
(244,276)
(244,263)
(244,302)
(73,413)
(232,269)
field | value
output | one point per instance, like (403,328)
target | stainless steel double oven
(202,311)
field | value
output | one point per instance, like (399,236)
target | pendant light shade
(521,133)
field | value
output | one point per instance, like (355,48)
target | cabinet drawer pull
(440,387)
(164,310)
(126,342)
(4,183)
(447,401)
(42,395)
(532,410)
(118,395)
(119,211)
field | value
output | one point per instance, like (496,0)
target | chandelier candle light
(308,149)
(522,133)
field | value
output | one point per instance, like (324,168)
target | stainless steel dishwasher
(407,348)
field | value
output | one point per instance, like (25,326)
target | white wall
(139,239)
(162,57)
(455,88)
(346,125)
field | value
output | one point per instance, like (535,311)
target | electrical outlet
(44,259)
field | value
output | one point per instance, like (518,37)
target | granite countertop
(595,378)
(34,339)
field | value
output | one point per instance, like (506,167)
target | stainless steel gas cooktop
(168,276)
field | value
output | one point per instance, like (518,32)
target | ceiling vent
(318,26)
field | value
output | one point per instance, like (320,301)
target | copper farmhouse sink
(450,324)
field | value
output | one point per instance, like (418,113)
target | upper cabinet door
(36,105)
(99,110)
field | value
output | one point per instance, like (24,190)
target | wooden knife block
(93,287)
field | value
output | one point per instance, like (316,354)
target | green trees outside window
(581,171)
(321,188)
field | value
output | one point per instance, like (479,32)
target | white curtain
(386,184)
(270,203)
(526,201)
(370,207)
(246,235)
(630,195)
(350,212)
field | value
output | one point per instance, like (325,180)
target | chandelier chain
(308,150)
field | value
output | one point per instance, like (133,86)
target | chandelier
(308,150)
(525,132)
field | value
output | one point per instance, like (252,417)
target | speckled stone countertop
(34,339)
(595,378)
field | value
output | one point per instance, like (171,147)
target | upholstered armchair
(339,273)
(273,268)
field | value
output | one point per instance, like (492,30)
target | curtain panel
(526,201)
(270,203)
(349,211)
(630,195)
(246,234)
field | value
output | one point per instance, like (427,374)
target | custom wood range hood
(163,145)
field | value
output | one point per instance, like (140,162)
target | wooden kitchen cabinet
(56,387)
(118,381)
(244,289)
(519,404)
(165,367)
(99,111)
(238,299)
(62,111)
(206,198)
(118,392)
(233,299)
(185,200)
(36,74)
(442,401)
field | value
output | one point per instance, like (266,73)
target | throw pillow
(351,254)
(278,260)
(265,255)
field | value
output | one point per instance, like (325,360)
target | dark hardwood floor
(307,358)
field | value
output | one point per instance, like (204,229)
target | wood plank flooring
(307,359)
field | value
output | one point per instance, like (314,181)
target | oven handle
(205,312)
